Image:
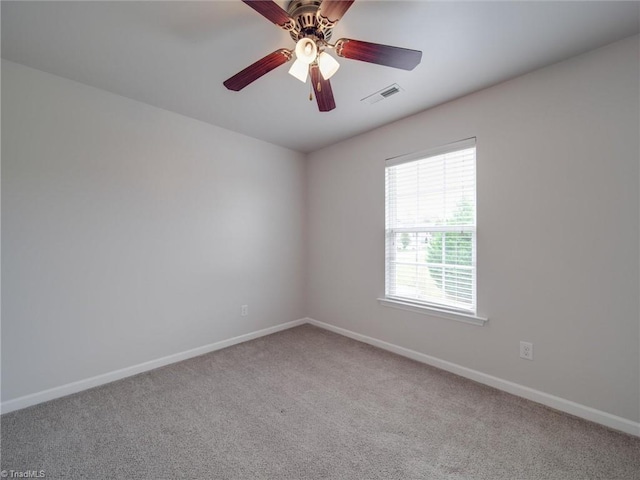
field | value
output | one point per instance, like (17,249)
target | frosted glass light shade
(300,70)
(306,50)
(328,65)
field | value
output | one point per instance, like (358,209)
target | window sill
(433,311)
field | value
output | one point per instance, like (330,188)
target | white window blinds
(431,227)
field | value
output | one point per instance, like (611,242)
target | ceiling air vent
(391,91)
(382,94)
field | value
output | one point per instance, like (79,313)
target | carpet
(306,403)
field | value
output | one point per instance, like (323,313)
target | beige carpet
(302,404)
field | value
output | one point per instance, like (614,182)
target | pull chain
(310,91)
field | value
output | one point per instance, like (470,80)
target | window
(431,228)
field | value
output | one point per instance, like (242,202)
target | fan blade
(258,69)
(322,88)
(333,10)
(376,53)
(272,12)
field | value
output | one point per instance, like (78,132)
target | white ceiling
(176,54)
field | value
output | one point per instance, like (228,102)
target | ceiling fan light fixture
(328,65)
(310,24)
(300,70)
(306,50)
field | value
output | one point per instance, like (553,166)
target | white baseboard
(567,406)
(80,385)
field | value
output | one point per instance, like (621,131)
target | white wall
(558,211)
(130,233)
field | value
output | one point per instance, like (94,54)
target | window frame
(413,304)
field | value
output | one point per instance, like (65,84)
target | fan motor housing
(303,12)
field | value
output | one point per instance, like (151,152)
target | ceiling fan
(310,24)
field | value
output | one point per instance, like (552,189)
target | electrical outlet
(526,350)
(244,310)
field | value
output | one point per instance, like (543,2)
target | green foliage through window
(448,251)
(405,240)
